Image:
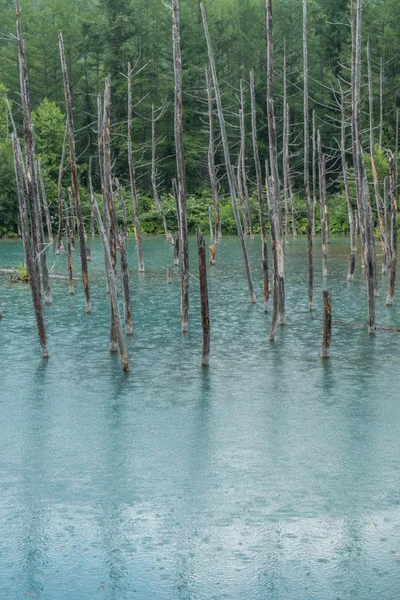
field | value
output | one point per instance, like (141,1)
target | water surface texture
(271,476)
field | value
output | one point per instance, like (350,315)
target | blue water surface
(271,476)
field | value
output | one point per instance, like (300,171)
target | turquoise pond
(271,476)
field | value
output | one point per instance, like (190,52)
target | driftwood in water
(45,203)
(205,316)
(180,164)
(213,249)
(156,197)
(274,185)
(112,286)
(211,158)
(29,258)
(306,162)
(74,175)
(135,201)
(326,326)
(393,200)
(126,289)
(323,207)
(345,172)
(229,171)
(60,193)
(260,195)
(373,165)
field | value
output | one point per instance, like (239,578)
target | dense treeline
(102,36)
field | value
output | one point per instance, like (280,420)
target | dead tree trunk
(393,198)
(177,245)
(260,196)
(39,248)
(68,237)
(135,202)
(373,164)
(353,249)
(205,317)
(169,275)
(211,158)
(60,193)
(126,290)
(45,203)
(361,179)
(285,147)
(243,163)
(156,197)
(273,153)
(314,173)
(123,207)
(74,174)
(326,326)
(275,306)
(241,194)
(210,222)
(113,288)
(176,250)
(380,104)
(29,259)
(180,164)
(322,197)
(387,219)
(306,162)
(289,175)
(109,202)
(229,171)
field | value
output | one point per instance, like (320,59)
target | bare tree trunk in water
(289,175)
(126,290)
(387,219)
(205,316)
(211,158)
(241,194)
(135,202)
(123,207)
(180,163)
(275,305)
(361,179)
(229,170)
(74,174)
(68,237)
(156,197)
(109,201)
(393,198)
(314,173)
(113,288)
(273,153)
(39,248)
(260,196)
(285,147)
(322,196)
(243,163)
(29,259)
(177,245)
(353,249)
(306,162)
(45,204)
(169,275)
(326,326)
(373,164)
(60,193)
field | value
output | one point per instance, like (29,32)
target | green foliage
(22,273)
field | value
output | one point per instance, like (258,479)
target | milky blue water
(273,475)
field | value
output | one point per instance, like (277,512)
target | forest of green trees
(102,36)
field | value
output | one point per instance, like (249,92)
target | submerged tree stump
(205,317)
(326,326)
